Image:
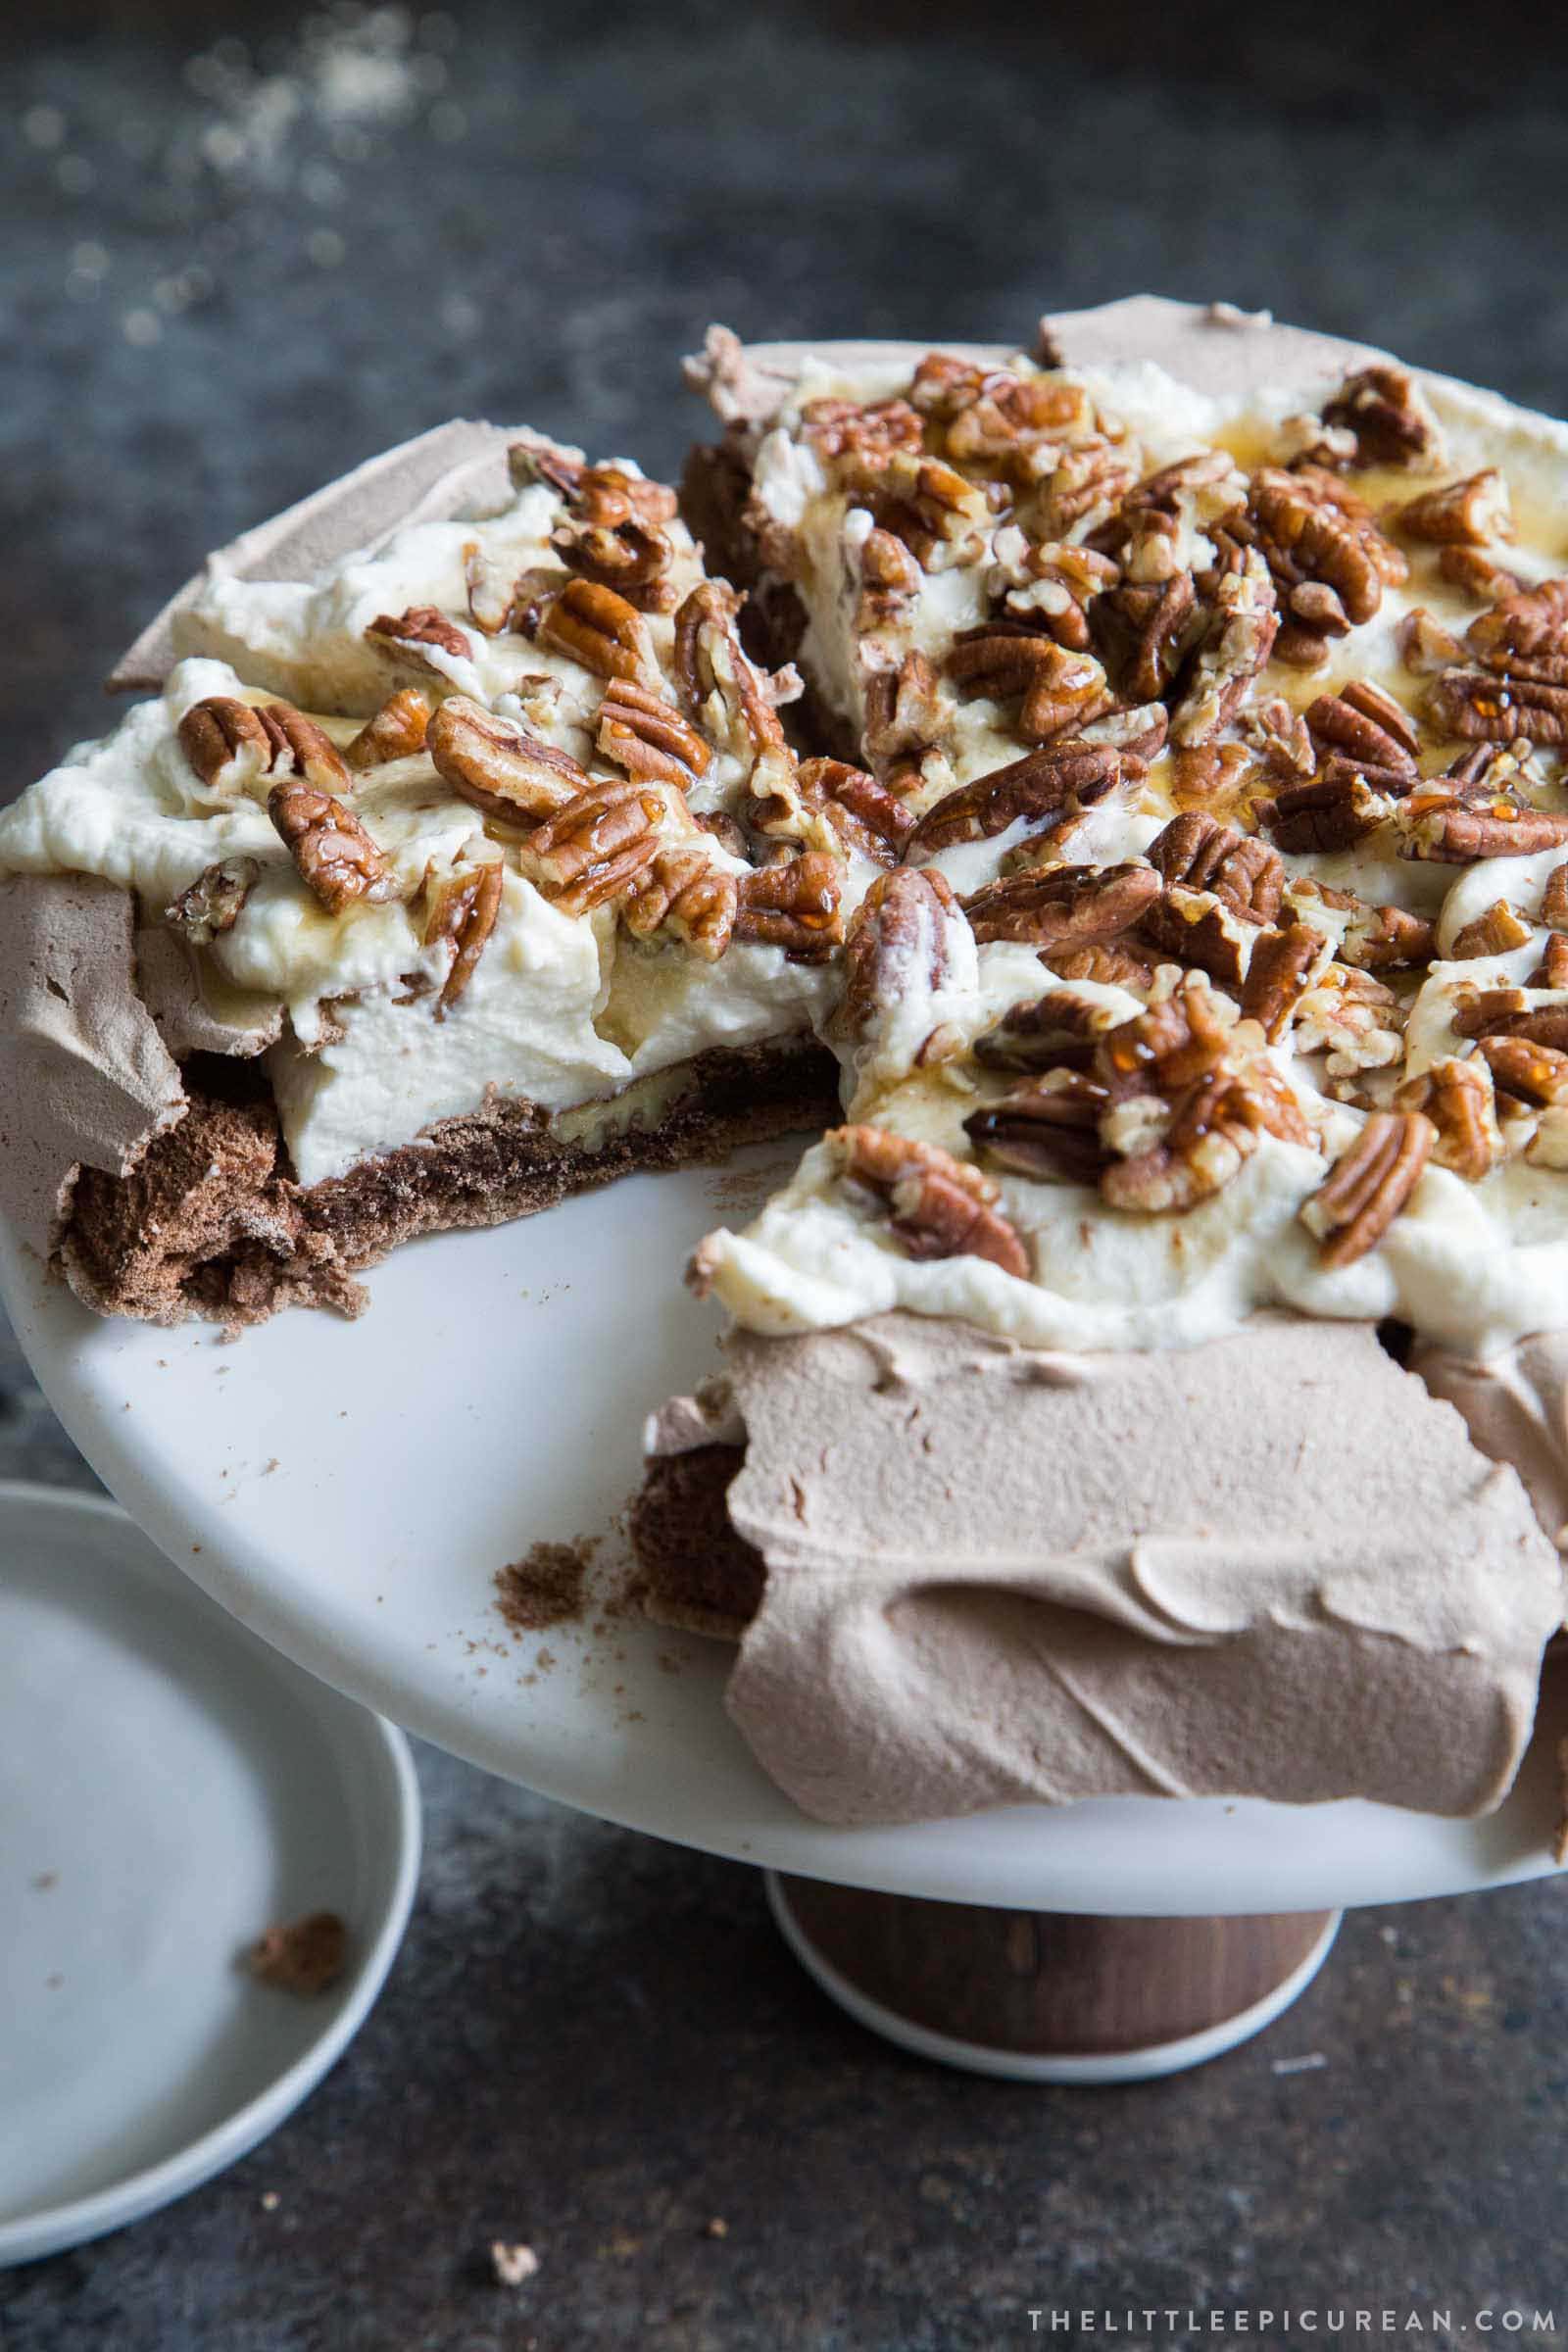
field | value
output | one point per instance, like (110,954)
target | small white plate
(169,1786)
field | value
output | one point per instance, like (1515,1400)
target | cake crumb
(716,2228)
(545,1587)
(511,2264)
(305,1956)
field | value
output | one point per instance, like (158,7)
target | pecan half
(1063,907)
(591,624)
(1282,968)
(1334,812)
(1168,1048)
(683,892)
(462,906)
(1554,898)
(498,767)
(1497,931)
(1365,725)
(1197,853)
(1051,1129)
(1080,492)
(213,903)
(888,577)
(1057,1031)
(793,905)
(865,815)
(836,428)
(1533,1074)
(1479,705)
(231,745)
(1386,939)
(1005,658)
(1213,1130)
(1368,1186)
(591,851)
(1116,963)
(898,946)
(1457,1098)
(1442,826)
(1552,969)
(1524,630)
(647,737)
(1056,778)
(1496,1013)
(1050,585)
(939,516)
(1307,537)
(1203,931)
(610,496)
(941,1206)
(1381,406)
(1144,634)
(723,690)
(407,634)
(1238,638)
(1467,514)
(396,732)
(336,856)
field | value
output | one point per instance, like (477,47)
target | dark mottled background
(243,249)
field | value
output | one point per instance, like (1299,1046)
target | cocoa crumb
(546,1585)
(306,1956)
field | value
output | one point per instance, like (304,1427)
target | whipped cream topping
(1472,1264)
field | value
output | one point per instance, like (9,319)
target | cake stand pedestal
(1049,1996)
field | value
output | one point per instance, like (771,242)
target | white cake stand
(350,1491)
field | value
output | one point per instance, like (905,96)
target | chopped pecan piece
(1386,939)
(941,1206)
(1005,658)
(1145,633)
(1497,931)
(535,458)
(497,592)
(462,906)
(1279,737)
(630,555)
(1335,812)
(1442,826)
(1392,423)
(1080,491)
(1139,728)
(1457,1098)
(407,634)
(1426,647)
(900,945)
(1063,907)
(793,905)
(647,737)
(1050,1129)
(938,514)
(336,856)
(1116,963)
(1524,630)
(864,814)
(498,767)
(905,712)
(1008,416)
(1196,852)
(1053,1032)
(1467,514)
(724,692)
(1203,931)
(683,892)
(1045,782)
(1168,1048)
(888,577)
(1478,574)
(396,732)
(591,624)
(1365,725)
(213,903)
(610,496)
(1214,1128)
(1552,969)
(1368,1186)
(1554,898)
(231,745)
(591,851)
(1282,968)
(1494,1012)
(1352,1018)
(837,427)
(1479,705)
(1050,585)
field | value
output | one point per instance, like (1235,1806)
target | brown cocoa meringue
(1515,1406)
(1271,1566)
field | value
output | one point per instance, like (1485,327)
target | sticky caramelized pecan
(498,767)
(683,892)
(1057,689)
(591,624)
(1368,1186)
(1064,906)
(1381,405)
(940,1207)
(864,814)
(589,853)
(407,634)
(336,856)
(898,946)
(214,902)
(231,745)
(647,737)
(1467,514)
(396,732)
(1047,782)
(794,905)
(461,906)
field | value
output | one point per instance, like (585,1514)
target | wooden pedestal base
(1049,1996)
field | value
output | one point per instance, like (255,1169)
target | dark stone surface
(224,276)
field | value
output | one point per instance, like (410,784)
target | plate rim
(54,2228)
